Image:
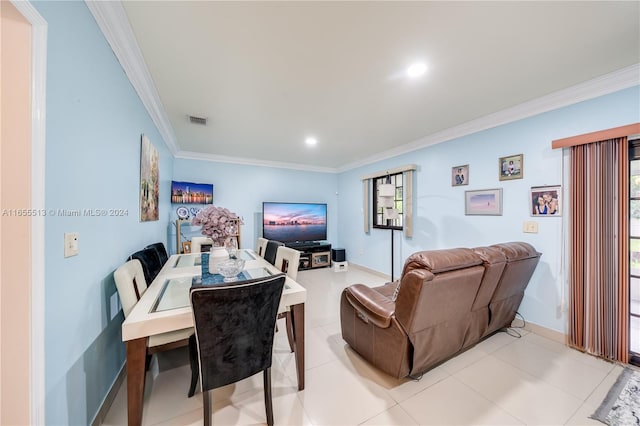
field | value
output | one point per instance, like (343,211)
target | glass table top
(175,291)
(194,259)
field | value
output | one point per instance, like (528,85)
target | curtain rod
(601,135)
(393,171)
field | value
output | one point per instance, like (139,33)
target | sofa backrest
(437,291)
(494,262)
(522,260)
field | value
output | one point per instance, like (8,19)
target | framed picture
(460,175)
(149,167)
(484,202)
(546,201)
(186,247)
(511,167)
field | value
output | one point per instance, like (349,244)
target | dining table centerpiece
(218,223)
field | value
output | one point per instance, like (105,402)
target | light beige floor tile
(168,396)
(520,394)
(495,342)
(336,395)
(600,392)
(581,417)
(558,368)
(566,351)
(395,416)
(248,409)
(433,406)
(463,360)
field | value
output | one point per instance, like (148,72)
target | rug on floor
(621,407)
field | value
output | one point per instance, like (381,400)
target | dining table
(165,307)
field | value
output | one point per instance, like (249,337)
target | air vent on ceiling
(198,120)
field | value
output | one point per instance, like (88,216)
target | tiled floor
(501,381)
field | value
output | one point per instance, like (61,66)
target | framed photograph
(186,247)
(484,202)
(546,201)
(149,167)
(460,175)
(511,167)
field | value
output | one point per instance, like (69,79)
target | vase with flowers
(218,223)
(221,225)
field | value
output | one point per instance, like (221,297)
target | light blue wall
(440,221)
(242,189)
(94,123)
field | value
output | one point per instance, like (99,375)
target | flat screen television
(191,193)
(294,222)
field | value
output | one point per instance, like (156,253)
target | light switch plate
(530,227)
(70,244)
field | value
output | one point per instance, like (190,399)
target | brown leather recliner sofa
(444,302)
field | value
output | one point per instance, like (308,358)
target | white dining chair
(198,242)
(261,246)
(288,260)
(131,285)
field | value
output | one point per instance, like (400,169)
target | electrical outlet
(530,227)
(71,244)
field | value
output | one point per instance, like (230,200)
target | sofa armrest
(375,307)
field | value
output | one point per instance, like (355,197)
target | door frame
(38,133)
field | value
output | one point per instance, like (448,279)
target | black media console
(312,254)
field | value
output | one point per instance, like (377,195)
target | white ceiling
(269,74)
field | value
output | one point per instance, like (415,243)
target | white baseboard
(369,270)
(548,333)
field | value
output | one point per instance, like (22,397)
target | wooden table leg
(136,358)
(297,314)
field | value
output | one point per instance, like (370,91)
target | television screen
(191,193)
(291,222)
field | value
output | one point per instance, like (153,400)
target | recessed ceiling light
(311,141)
(416,70)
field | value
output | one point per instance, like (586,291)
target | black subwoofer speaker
(338,255)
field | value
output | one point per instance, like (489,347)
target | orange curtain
(599,249)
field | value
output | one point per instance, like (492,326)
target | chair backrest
(234,327)
(150,261)
(130,283)
(288,260)
(197,242)
(161,250)
(271,251)
(261,246)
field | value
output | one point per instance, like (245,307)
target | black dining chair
(150,261)
(271,251)
(161,250)
(234,325)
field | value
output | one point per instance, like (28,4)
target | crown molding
(114,24)
(190,155)
(600,86)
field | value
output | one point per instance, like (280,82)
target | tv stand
(313,254)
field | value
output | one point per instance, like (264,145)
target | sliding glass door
(634,255)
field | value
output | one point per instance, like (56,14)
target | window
(634,249)
(388,209)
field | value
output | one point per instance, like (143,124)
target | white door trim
(38,132)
